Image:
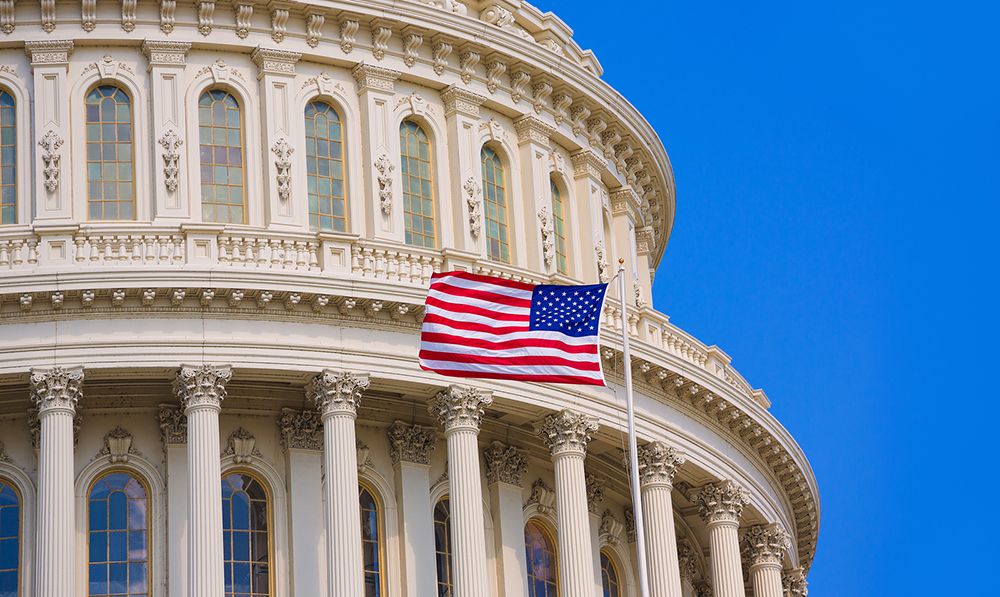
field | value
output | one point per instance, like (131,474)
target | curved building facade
(219,221)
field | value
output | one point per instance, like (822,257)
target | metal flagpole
(633,456)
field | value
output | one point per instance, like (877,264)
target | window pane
(418,200)
(325,168)
(118,537)
(540,552)
(245,536)
(494,195)
(109,154)
(223,197)
(370,543)
(559,227)
(442,547)
(8,159)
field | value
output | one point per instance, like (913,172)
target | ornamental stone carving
(468,58)
(283,151)
(720,502)
(658,463)
(364,455)
(687,559)
(794,583)
(348,34)
(51,159)
(173,424)
(314,27)
(384,169)
(474,201)
(381,34)
(495,68)
(410,443)
(630,524)
(460,407)
(117,446)
(202,385)
(171,143)
(56,388)
(703,589)
(244,12)
(441,48)
(413,38)
(337,392)
(449,5)
(168,9)
(505,464)
(48,10)
(241,446)
(279,22)
(567,432)
(3,454)
(542,497)
(504,19)
(128,15)
(765,544)
(595,492)
(610,530)
(602,263)
(7,17)
(545,222)
(301,430)
(637,291)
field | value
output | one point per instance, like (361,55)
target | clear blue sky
(837,170)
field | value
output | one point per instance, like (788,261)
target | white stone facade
(177,349)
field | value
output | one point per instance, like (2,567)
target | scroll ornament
(171,143)
(545,220)
(473,197)
(283,164)
(385,168)
(50,144)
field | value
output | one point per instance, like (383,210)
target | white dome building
(219,220)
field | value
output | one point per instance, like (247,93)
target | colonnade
(459,410)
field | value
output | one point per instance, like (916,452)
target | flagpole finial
(621,261)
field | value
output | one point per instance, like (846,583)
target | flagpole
(633,455)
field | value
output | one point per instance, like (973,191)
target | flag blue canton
(572,310)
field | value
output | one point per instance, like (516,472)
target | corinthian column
(201,390)
(764,547)
(720,506)
(337,395)
(658,463)
(55,392)
(460,410)
(794,583)
(567,434)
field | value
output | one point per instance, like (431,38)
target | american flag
(482,326)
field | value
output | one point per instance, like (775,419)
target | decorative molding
(244,14)
(603,273)
(301,429)
(51,159)
(364,456)
(314,27)
(542,497)
(441,48)
(337,392)
(546,223)
(206,16)
(495,68)
(560,106)
(117,446)
(374,78)
(35,427)
(56,388)
(325,84)
(49,52)
(502,18)
(566,432)
(494,130)
(587,163)
(453,6)
(88,15)
(348,34)
(168,9)
(274,62)
(241,446)
(595,492)
(173,424)
(413,38)
(610,529)
(48,14)
(658,463)
(279,21)
(459,101)
(7,16)
(468,58)
(505,464)
(687,559)
(765,544)
(534,130)
(283,151)
(128,15)
(460,407)
(722,501)
(541,91)
(519,80)
(474,201)
(416,103)
(579,117)
(384,169)
(171,143)
(165,53)
(381,34)
(202,385)
(793,583)
(410,443)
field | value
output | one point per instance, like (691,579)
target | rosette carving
(505,464)
(301,430)
(203,385)
(658,463)
(411,443)
(460,407)
(720,502)
(765,544)
(56,388)
(336,392)
(567,431)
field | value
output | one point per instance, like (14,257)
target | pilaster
(589,189)
(533,140)
(302,440)
(376,89)
(52,189)
(461,110)
(173,434)
(505,468)
(167,60)
(410,448)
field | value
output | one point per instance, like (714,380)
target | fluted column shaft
(720,506)
(766,580)
(567,434)
(56,392)
(338,395)
(460,410)
(658,464)
(201,390)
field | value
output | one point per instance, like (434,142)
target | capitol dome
(218,223)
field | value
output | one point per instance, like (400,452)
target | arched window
(559,227)
(442,547)
(110,167)
(371,542)
(10,539)
(495,203)
(609,576)
(222,158)
(540,551)
(118,536)
(325,168)
(246,536)
(418,194)
(8,164)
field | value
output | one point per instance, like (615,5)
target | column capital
(687,560)
(300,429)
(765,544)
(410,443)
(658,463)
(595,492)
(460,407)
(567,432)
(165,53)
(202,385)
(173,424)
(794,583)
(51,52)
(720,502)
(58,388)
(337,392)
(274,62)
(534,130)
(505,464)
(461,101)
(586,162)
(375,78)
